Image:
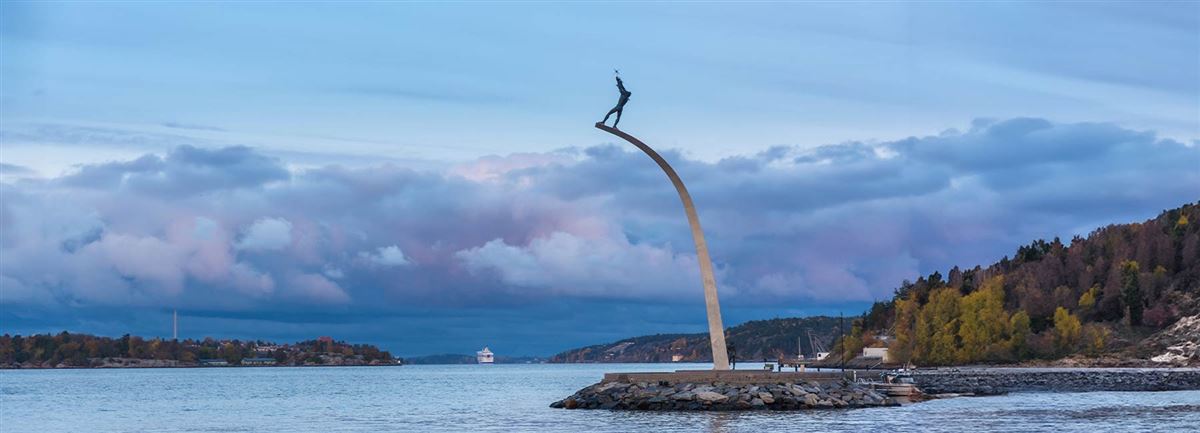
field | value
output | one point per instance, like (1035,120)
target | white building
(876,352)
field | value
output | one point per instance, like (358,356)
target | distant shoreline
(184,367)
(67,350)
(131,363)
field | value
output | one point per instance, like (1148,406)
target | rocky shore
(990,381)
(722,396)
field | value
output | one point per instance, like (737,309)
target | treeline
(82,350)
(751,341)
(1048,301)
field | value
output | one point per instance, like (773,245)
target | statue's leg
(618,117)
(610,112)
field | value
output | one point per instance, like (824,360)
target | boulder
(766,397)
(711,397)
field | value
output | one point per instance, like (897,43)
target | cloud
(13,169)
(317,288)
(493,167)
(386,256)
(267,234)
(231,231)
(564,263)
(191,126)
(185,170)
(82,138)
(455,94)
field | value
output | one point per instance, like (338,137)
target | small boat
(485,356)
(897,383)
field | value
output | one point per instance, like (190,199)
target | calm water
(500,398)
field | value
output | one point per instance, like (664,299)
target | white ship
(485,356)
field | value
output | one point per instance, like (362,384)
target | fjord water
(417,398)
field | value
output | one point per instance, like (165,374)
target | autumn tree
(1095,338)
(231,353)
(1087,300)
(1066,330)
(137,348)
(983,321)
(1018,334)
(938,327)
(852,344)
(906,316)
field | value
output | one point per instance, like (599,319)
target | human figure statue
(620,103)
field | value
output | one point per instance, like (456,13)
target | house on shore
(258,361)
(880,353)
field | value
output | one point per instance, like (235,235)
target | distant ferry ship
(485,356)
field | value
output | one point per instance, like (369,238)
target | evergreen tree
(1131,292)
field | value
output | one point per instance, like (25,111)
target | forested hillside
(1110,294)
(1099,294)
(754,340)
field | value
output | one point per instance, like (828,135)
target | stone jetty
(720,395)
(749,390)
(1000,380)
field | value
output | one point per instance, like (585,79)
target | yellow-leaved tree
(852,344)
(906,317)
(1095,338)
(983,322)
(937,325)
(1066,330)
(1018,334)
(1087,300)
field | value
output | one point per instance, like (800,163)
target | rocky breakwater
(722,396)
(988,381)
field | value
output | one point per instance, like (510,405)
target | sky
(426,176)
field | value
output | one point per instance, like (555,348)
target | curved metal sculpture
(716,331)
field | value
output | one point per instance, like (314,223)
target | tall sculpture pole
(716,331)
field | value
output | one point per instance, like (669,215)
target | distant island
(1125,295)
(66,350)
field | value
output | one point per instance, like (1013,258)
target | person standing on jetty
(620,102)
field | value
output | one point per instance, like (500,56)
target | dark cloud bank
(537,252)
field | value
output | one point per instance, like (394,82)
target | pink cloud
(314,287)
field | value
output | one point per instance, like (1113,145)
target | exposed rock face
(723,396)
(1180,343)
(987,381)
